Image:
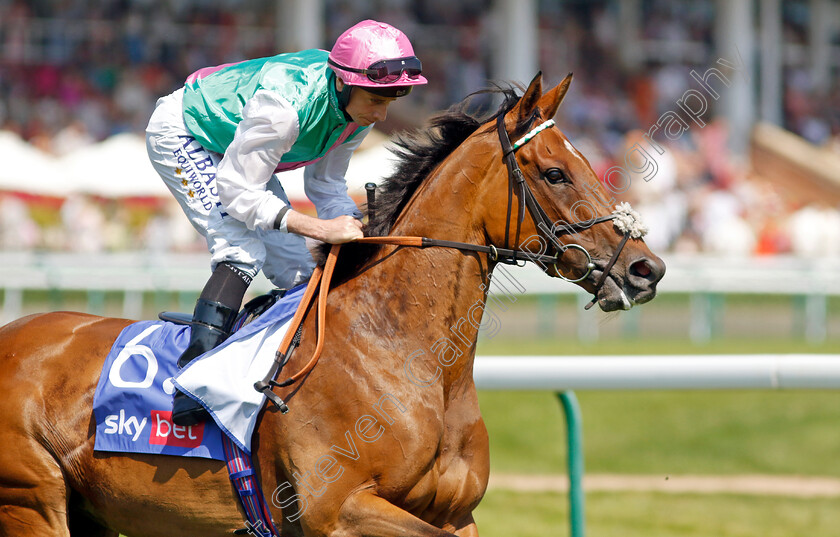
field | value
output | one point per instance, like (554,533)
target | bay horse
(385,436)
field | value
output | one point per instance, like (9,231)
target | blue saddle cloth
(133,401)
(132,404)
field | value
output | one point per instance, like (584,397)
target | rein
(624,218)
(320,281)
(320,278)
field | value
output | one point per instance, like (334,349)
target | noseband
(624,217)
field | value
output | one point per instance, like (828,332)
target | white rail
(755,371)
(188,272)
(704,278)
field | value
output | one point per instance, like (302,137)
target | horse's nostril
(641,269)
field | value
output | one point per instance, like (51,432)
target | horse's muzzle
(641,278)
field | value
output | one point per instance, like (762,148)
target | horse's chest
(456,475)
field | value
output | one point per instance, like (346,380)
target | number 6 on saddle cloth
(133,400)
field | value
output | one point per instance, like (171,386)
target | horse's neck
(448,286)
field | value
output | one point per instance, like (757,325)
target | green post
(630,323)
(186,301)
(701,317)
(800,316)
(574,438)
(162,300)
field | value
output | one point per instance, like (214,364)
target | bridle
(545,227)
(624,218)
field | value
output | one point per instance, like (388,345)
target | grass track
(669,432)
(551,347)
(658,515)
(662,433)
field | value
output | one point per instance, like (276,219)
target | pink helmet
(374,54)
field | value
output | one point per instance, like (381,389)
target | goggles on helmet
(387,71)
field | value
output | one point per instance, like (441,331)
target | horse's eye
(555,176)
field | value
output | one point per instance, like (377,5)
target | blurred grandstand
(79,78)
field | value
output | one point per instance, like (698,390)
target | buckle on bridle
(513,261)
(510,259)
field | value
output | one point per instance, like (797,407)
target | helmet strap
(344,99)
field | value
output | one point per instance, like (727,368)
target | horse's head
(557,207)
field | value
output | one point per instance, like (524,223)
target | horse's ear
(529,101)
(550,102)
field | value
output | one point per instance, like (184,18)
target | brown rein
(321,277)
(318,277)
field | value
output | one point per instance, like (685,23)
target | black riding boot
(212,323)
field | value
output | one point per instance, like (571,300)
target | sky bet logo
(118,424)
(167,433)
(163,432)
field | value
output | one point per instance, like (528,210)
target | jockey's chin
(363,122)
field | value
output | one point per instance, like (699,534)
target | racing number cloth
(132,404)
(133,400)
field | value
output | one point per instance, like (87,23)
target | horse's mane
(417,153)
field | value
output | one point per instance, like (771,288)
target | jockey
(219,142)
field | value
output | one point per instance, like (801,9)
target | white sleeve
(324,183)
(268,129)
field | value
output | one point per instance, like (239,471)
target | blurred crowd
(73,72)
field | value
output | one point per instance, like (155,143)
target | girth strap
(247,485)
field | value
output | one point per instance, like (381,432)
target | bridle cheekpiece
(625,219)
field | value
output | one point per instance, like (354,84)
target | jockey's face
(364,107)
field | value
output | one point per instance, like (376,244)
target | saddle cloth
(133,399)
